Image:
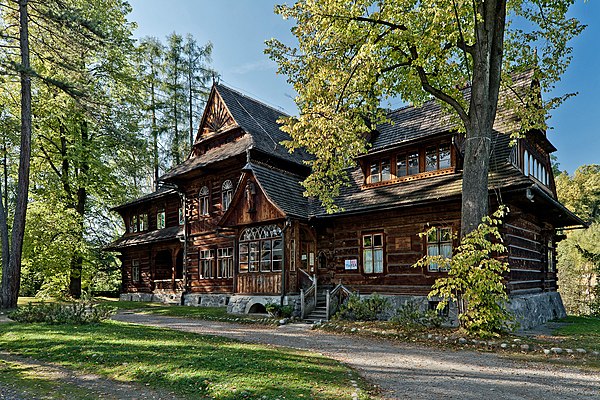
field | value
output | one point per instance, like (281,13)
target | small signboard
(350,264)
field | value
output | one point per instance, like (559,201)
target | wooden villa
(230,225)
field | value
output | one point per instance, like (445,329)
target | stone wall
(239,304)
(532,310)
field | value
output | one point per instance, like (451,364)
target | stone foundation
(159,297)
(532,310)
(240,304)
(206,300)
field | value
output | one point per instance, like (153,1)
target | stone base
(532,310)
(240,304)
(159,297)
(206,300)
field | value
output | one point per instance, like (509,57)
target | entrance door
(307,250)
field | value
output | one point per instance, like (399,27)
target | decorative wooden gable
(216,118)
(250,205)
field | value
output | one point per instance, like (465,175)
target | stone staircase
(320,311)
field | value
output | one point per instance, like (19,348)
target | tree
(352,55)
(579,253)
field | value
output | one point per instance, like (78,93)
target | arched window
(261,249)
(204,201)
(226,194)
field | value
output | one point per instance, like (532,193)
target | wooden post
(327,298)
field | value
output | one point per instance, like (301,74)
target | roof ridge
(247,96)
(276,169)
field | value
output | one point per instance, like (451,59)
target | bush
(372,308)
(279,311)
(410,316)
(62,313)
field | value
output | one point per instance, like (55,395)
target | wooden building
(230,225)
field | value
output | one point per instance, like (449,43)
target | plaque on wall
(350,264)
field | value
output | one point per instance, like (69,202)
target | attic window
(380,171)
(204,201)
(533,167)
(226,194)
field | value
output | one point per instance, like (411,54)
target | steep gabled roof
(282,188)
(162,191)
(260,121)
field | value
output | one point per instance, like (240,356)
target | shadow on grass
(187,364)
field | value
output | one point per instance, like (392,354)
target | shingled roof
(162,191)
(260,121)
(411,123)
(160,235)
(282,188)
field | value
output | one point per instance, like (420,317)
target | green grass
(581,332)
(28,381)
(205,313)
(190,365)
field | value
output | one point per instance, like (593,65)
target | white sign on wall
(350,264)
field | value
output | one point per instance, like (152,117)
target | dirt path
(405,371)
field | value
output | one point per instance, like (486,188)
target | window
(380,171)
(226,194)
(206,264)
(445,160)
(550,259)
(133,224)
(225,262)
(204,201)
(143,221)
(373,253)
(439,243)
(181,216)
(431,159)
(401,165)
(437,158)
(135,270)
(160,219)
(261,249)
(413,163)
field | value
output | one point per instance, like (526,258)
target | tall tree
(175,103)
(197,76)
(352,55)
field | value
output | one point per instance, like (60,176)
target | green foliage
(475,279)
(579,254)
(278,311)
(410,316)
(62,313)
(352,57)
(372,308)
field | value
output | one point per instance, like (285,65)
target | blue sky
(238,29)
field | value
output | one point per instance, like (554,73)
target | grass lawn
(190,365)
(581,332)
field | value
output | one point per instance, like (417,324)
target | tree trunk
(487,65)
(11,277)
(77,259)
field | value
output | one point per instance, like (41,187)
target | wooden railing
(308,297)
(335,298)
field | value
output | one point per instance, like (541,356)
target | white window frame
(439,246)
(204,201)
(225,262)
(226,194)
(206,264)
(135,271)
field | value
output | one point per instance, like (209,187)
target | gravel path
(405,371)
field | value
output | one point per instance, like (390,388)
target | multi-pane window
(380,171)
(133,224)
(160,219)
(181,216)
(204,201)
(413,163)
(226,194)
(439,243)
(225,262)
(533,167)
(437,158)
(261,249)
(373,253)
(206,264)
(550,256)
(143,221)
(135,270)
(401,165)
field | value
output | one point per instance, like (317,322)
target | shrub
(410,316)
(62,313)
(279,311)
(475,279)
(368,309)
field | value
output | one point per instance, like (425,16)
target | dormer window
(226,194)
(426,161)
(380,171)
(204,201)
(533,167)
